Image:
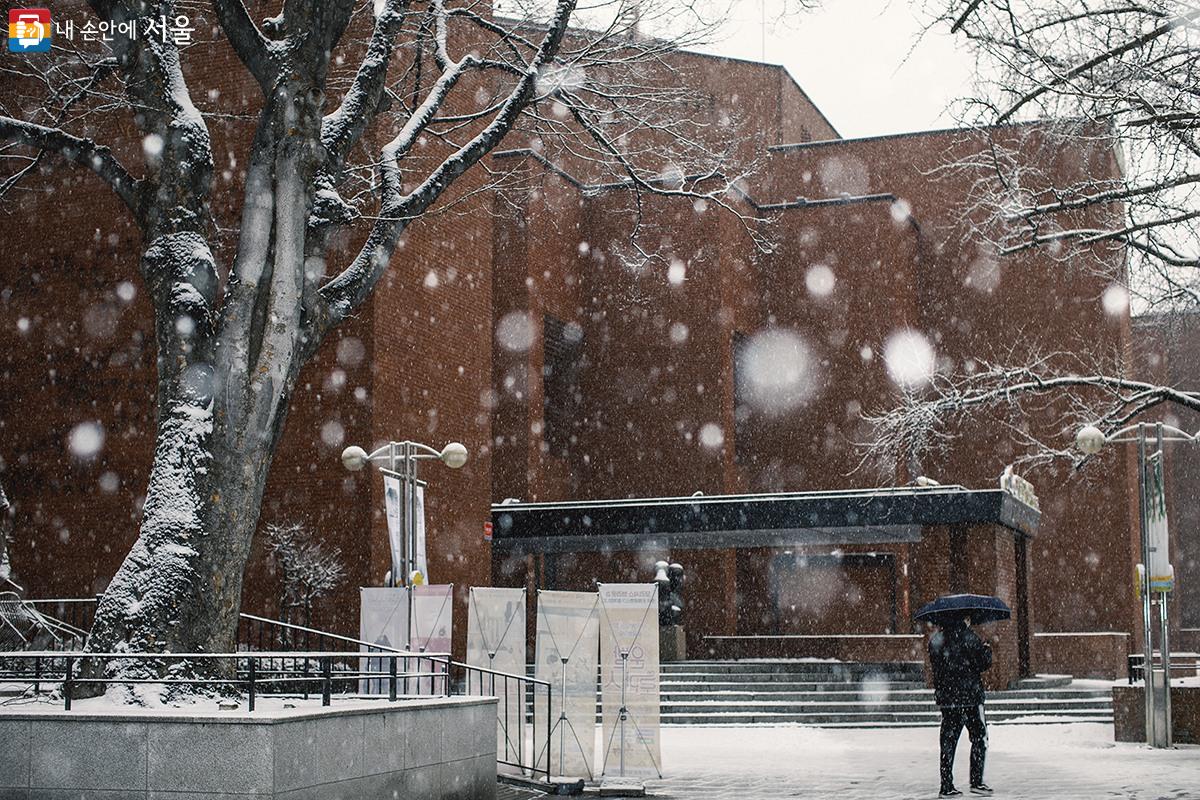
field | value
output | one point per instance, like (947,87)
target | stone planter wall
(442,749)
(1129,715)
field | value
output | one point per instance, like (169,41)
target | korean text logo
(29,30)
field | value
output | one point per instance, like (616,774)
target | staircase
(836,694)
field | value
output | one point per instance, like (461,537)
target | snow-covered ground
(1064,762)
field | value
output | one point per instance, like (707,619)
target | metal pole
(68,681)
(1147,624)
(398,576)
(412,517)
(250,692)
(562,715)
(624,710)
(1164,637)
(409,500)
(1164,643)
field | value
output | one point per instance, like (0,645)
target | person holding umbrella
(958,658)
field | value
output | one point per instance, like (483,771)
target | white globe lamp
(454,455)
(354,458)
(1089,440)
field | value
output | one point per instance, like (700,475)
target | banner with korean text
(629,681)
(567,631)
(496,641)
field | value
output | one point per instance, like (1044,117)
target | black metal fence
(250,674)
(1183,665)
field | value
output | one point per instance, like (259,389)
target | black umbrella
(951,607)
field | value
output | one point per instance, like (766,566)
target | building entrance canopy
(867,516)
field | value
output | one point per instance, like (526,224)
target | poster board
(568,625)
(432,631)
(383,616)
(496,641)
(629,680)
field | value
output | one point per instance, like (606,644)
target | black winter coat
(958,657)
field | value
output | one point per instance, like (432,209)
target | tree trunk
(227,370)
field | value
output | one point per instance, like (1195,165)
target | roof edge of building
(782,148)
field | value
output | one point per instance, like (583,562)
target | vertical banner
(383,615)
(395,501)
(629,680)
(1162,576)
(496,641)
(567,629)
(420,561)
(433,629)
(391,504)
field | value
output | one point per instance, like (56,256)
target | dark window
(562,353)
(741,408)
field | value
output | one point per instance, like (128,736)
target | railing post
(37,675)
(326,680)
(252,665)
(392,678)
(68,683)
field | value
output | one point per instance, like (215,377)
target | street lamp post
(1090,440)
(401,458)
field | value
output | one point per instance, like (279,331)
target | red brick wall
(1084,655)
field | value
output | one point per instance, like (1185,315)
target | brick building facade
(570,370)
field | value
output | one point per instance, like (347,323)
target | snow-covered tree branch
(1087,152)
(1062,387)
(1117,81)
(308,571)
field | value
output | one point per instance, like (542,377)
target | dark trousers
(954,718)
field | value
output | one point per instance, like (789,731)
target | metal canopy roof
(871,516)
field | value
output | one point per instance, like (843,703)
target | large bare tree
(367,115)
(1099,76)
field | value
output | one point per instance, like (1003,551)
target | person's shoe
(981,788)
(949,791)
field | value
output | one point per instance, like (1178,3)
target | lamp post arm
(1128,434)
(426,450)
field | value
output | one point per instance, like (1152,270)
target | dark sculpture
(669,578)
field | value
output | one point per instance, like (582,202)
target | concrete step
(878,721)
(851,695)
(776,677)
(868,716)
(782,686)
(1044,682)
(854,706)
(836,668)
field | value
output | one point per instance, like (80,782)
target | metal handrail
(325,658)
(1135,662)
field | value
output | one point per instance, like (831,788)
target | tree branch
(348,290)
(341,129)
(254,50)
(84,152)
(1097,60)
